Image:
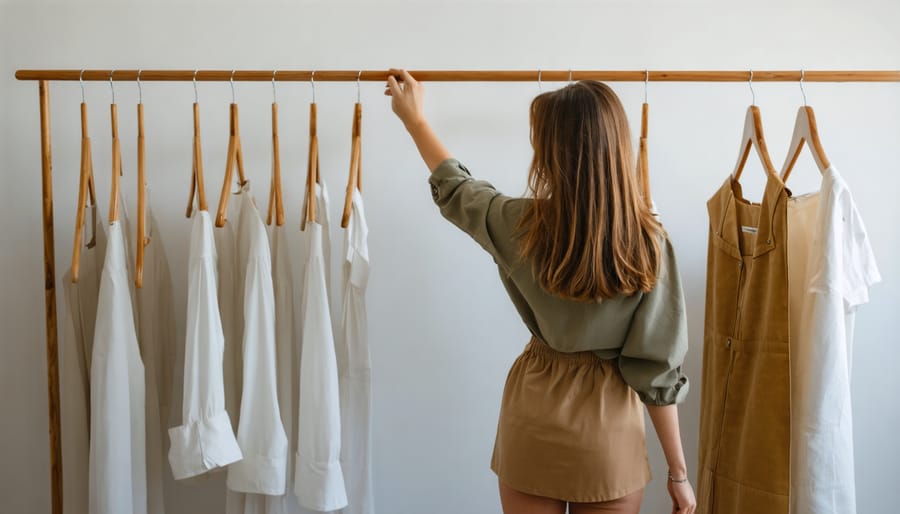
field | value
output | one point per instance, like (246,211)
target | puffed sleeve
(474,206)
(656,343)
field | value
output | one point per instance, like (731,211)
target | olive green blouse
(646,332)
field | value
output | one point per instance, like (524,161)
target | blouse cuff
(202,445)
(446,177)
(671,395)
(258,474)
(319,485)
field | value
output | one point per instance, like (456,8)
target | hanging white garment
(287,347)
(260,434)
(118,473)
(318,480)
(156,338)
(833,266)
(77,342)
(355,366)
(205,441)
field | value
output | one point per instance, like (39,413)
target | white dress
(355,366)
(205,440)
(832,265)
(260,433)
(287,343)
(318,479)
(118,474)
(156,338)
(75,373)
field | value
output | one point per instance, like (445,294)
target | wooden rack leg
(56,486)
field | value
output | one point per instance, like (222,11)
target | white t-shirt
(831,266)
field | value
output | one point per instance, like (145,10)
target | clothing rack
(45,76)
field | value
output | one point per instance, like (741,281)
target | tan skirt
(570,428)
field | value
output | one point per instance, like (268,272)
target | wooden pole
(469,75)
(56,487)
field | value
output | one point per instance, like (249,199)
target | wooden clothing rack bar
(45,76)
(466,75)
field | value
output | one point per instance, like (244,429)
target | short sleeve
(656,344)
(844,262)
(474,206)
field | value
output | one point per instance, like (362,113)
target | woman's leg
(629,504)
(517,502)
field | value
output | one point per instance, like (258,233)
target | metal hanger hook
(140,90)
(274,92)
(196,99)
(752,92)
(232,86)
(81,81)
(540,87)
(111,87)
(570,75)
(802,76)
(312,82)
(359,74)
(646,82)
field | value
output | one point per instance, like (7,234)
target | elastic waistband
(541,349)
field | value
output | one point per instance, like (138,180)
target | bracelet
(672,479)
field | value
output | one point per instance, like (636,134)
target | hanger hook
(570,75)
(81,81)
(540,87)
(232,86)
(196,99)
(111,87)
(140,90)
(802,76)
(752,92)
(274,93)
(646,82)
(357,85)
(312,82)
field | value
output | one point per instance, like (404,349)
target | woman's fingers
(393,88)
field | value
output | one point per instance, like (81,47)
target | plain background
(443,333)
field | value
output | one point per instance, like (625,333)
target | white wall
(443,333)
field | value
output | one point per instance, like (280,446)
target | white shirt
(832,263)
(355,366)
(118,473)
(287,348)
(260,433)
(205,440)
(318,480)
(75,373)
(156,338)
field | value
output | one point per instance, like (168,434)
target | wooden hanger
(235,157)
(643,163)
(312,168)
(116,158)
(354,180)
(142,240)
(86,193)
(753,137)
(805,131)
(276,205)
(197,185)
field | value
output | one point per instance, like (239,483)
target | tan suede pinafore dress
(745,429)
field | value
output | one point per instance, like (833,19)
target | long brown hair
(588,232)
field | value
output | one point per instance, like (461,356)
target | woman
(593,275)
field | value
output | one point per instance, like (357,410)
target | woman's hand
(683,501)
(407,97)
